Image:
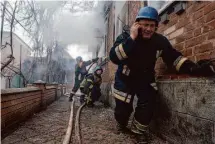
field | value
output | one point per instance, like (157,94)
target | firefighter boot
(122,129)
(71,96)
(90,104)
(82,99)
(141,137)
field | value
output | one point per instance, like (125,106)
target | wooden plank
(13,108)
(49,93)
(20,114)
(17,101)
(18,90)
(17,96)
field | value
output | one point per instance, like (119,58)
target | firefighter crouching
(136,54)
(90,87)
(80,72)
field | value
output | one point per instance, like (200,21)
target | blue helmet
(79,58)
(148,13)
(98,68)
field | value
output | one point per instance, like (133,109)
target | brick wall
(17,104)
(192,32)
(134,7)
(110,68)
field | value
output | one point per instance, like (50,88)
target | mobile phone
(139,32)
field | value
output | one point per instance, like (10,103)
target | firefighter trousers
(76,85)
(146,96)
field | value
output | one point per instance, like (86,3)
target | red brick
(179,46)
(182,22)
(19,95)
(188,52)
(203,48)
(18,106)
(172,22)
(205,29)
(197,32)
(188,35)
(172,15)
(209,8)
(18,101)
(195,41)
(189,27)
(179,39)
(198,5)
(189,3)
(200,22)
(212,24)
(190,43)
(203,56)
(210,16)
(198,14)
(211,34)
(176,33)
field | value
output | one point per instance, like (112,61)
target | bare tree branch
(8,62)
(2,23)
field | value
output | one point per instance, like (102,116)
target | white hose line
(69,128)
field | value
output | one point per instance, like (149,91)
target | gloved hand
(95,59)
(204,68)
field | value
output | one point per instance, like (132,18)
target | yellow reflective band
(179,64)
(158,54)
(122,52)
(91,86)
(89,98)
(136,131)
(121,98)
(118,53)
(139,126)
(154,85)
(120,93)
(89,80)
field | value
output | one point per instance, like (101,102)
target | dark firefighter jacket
(80,70)
(136,61)
(89,82)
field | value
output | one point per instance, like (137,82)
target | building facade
(20,50)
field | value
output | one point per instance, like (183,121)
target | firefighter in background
(90,87)
(80,72)
(136,55)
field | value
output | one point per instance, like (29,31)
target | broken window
(159,5)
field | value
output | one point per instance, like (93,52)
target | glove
(95,59)
(204,68)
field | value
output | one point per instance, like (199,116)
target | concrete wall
(185,111)
(17,104)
